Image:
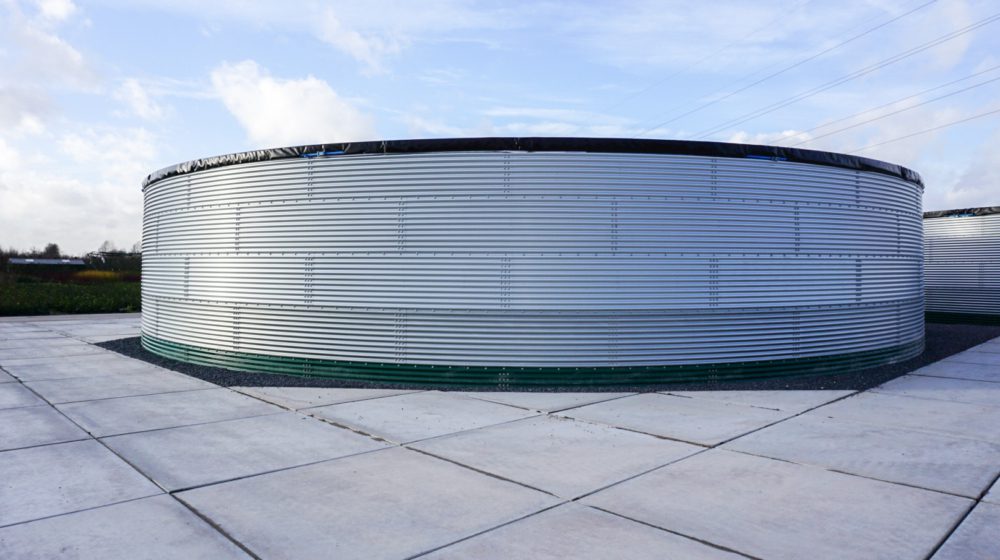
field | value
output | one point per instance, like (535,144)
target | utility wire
(925,131)
(846,78)
(784,14)
(785,69)
(862,123)
(889,104)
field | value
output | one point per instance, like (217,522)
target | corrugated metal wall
(533,259)
(963,264)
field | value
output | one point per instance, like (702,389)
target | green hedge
(46,298)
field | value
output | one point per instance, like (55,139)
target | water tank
(962,263)
(534,261)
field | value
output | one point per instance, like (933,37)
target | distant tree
(107,247)
(136,247)
(51,251)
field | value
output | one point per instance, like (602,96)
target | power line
(925,131)
(903,110)
(713,54)
(889,104)
(786,68)
(852,76)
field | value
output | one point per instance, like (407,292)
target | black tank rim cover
(545,144)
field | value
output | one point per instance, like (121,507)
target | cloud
(977,184)
(138,100)
(83,193)
(276,111)
(56,10)
(369,50)
(782,138)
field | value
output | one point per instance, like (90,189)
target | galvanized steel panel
(522,259)
(963,264)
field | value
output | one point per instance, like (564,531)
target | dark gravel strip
(942,341)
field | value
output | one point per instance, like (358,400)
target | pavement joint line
(706,448)
(91,508)
(480,471)
(87,437)
(358,431)
(124,396)
(720,400)
(952,377)
(947,536)
(177,426)
(637,475)
(74,355)
(679,534)
(484,531)
(787,418)
(208,521)
(472,396)
(538,414)
(932,399)
(272,471)
(848,473)
(233,388)
(218,528)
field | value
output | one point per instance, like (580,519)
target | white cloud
(138,100)
(10,159)
(782,138)
(57,10)
(92,194)
(978,184)
(369,50)
(276,111)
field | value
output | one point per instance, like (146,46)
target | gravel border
(942,340)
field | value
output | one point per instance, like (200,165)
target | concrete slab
(943,388)
(15,395)
(49,351)
(581,533)
(394,503)
(6,377)
(43,369)
(296,398)
(52,339)
(977,538)
(701,421)
(961,370)
(196,455)
(974,357)
(536,452)
(788,401)
(778,510)
(544,401)
(144,382)
(992,346)
(35,425)
(109,417)
(938,462)
(416,416)
(946,417)
(53,479)
(106,337)
(993,496)
(157,527)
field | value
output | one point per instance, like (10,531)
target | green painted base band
(530,376)
(962,318)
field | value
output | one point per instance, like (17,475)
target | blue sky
(95,95)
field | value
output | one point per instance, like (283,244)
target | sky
(96,95)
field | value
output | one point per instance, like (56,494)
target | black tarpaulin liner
(545,144)
(983,211)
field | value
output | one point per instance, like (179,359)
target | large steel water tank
(520,261)
(962,263)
